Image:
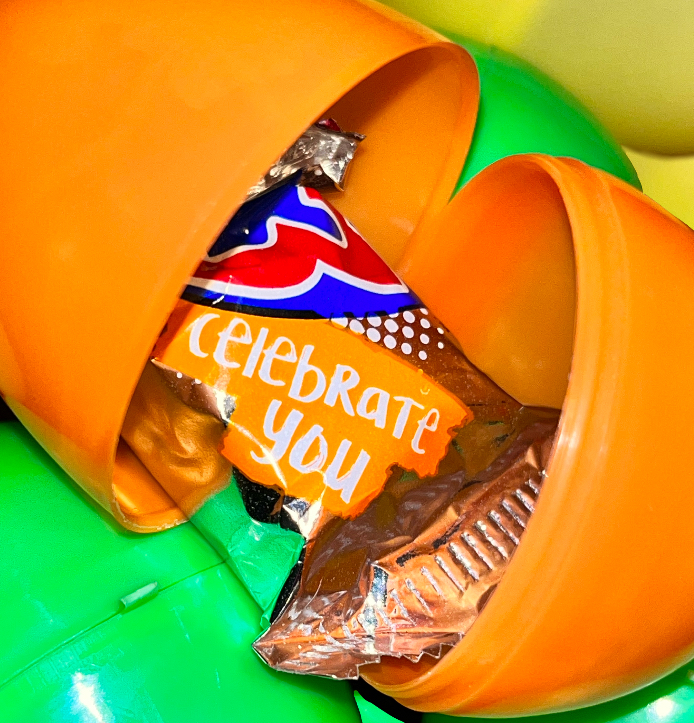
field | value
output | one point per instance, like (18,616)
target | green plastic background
(261,554)
(70,652)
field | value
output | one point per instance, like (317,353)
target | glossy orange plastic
(132,131)
(598,599)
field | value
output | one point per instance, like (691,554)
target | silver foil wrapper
(322,153)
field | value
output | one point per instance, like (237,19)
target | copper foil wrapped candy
(299,360)
(412,572)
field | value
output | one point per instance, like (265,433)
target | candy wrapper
(297,360)
(322,155)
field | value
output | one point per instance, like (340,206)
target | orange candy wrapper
(299,359)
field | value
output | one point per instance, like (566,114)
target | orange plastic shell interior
(136,130)
(597,601)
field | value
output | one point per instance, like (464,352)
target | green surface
(261,554)
(183,656)
(87,637)
(524,111)
(65,564)
(371,713)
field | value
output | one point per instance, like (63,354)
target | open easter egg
(594,603)
(140,181)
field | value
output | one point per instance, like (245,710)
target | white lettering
(380,412)
(423,424)
(282,437)
(344,379)
(273,354)
(404,414)
(195,330)
(302,447)
(303,368)
(228,335)
(308,384)
(254,356)
(348,482)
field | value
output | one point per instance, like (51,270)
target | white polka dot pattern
(356,326)
(399,337)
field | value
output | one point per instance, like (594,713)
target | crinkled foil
(411,574)
(322,153)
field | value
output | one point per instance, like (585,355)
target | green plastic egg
(101,625)
(524,111)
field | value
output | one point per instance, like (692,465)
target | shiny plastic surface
(173,659)
(630,62)
(134,131)
(71,652)
(670,700)
(597,602)
(523,111)
(66,564)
